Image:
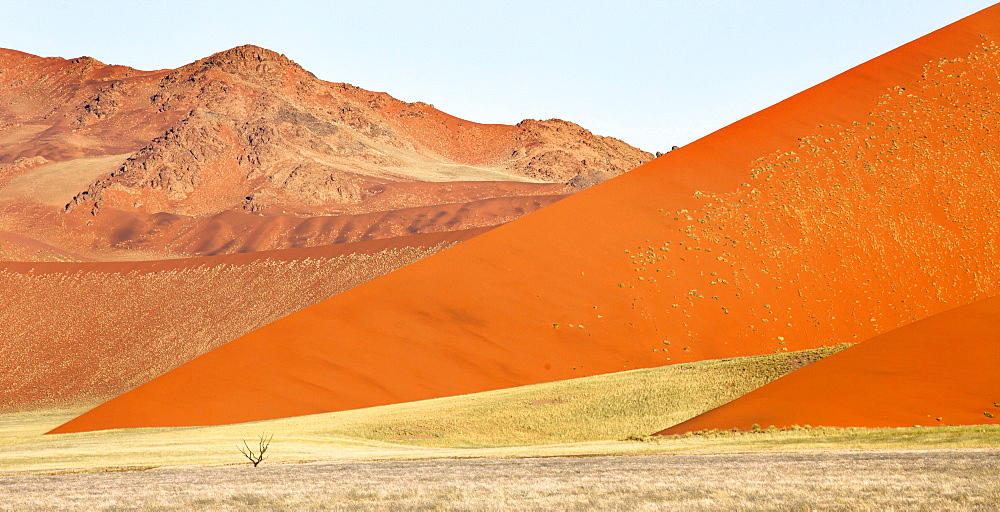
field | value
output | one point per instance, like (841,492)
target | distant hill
(245,150)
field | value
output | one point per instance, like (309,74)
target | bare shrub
(258,456)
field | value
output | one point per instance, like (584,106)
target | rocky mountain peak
(85,61)
(250,61)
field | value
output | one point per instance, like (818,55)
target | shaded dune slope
(938,371)
(77,334)
(816,221)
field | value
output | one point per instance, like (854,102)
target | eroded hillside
(245,150)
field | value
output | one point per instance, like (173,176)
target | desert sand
(858,206)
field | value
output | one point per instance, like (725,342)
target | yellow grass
(591,415)
(604,407)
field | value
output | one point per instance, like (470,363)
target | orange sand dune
(399,209)
(236,231)
(855,207)
(18,247)
(938,371)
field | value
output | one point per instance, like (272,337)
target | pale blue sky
(654,74)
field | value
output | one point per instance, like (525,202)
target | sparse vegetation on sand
(604,407)
(178,313)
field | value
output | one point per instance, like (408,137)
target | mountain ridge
(248,130)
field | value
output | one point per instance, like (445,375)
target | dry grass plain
(816,480)
(576,444)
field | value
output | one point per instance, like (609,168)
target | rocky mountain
(245,150)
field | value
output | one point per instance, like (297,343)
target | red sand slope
(858,206)
(939,371)
(78,334)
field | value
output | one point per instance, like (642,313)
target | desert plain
(416,311)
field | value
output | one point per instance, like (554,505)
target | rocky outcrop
(559,151)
